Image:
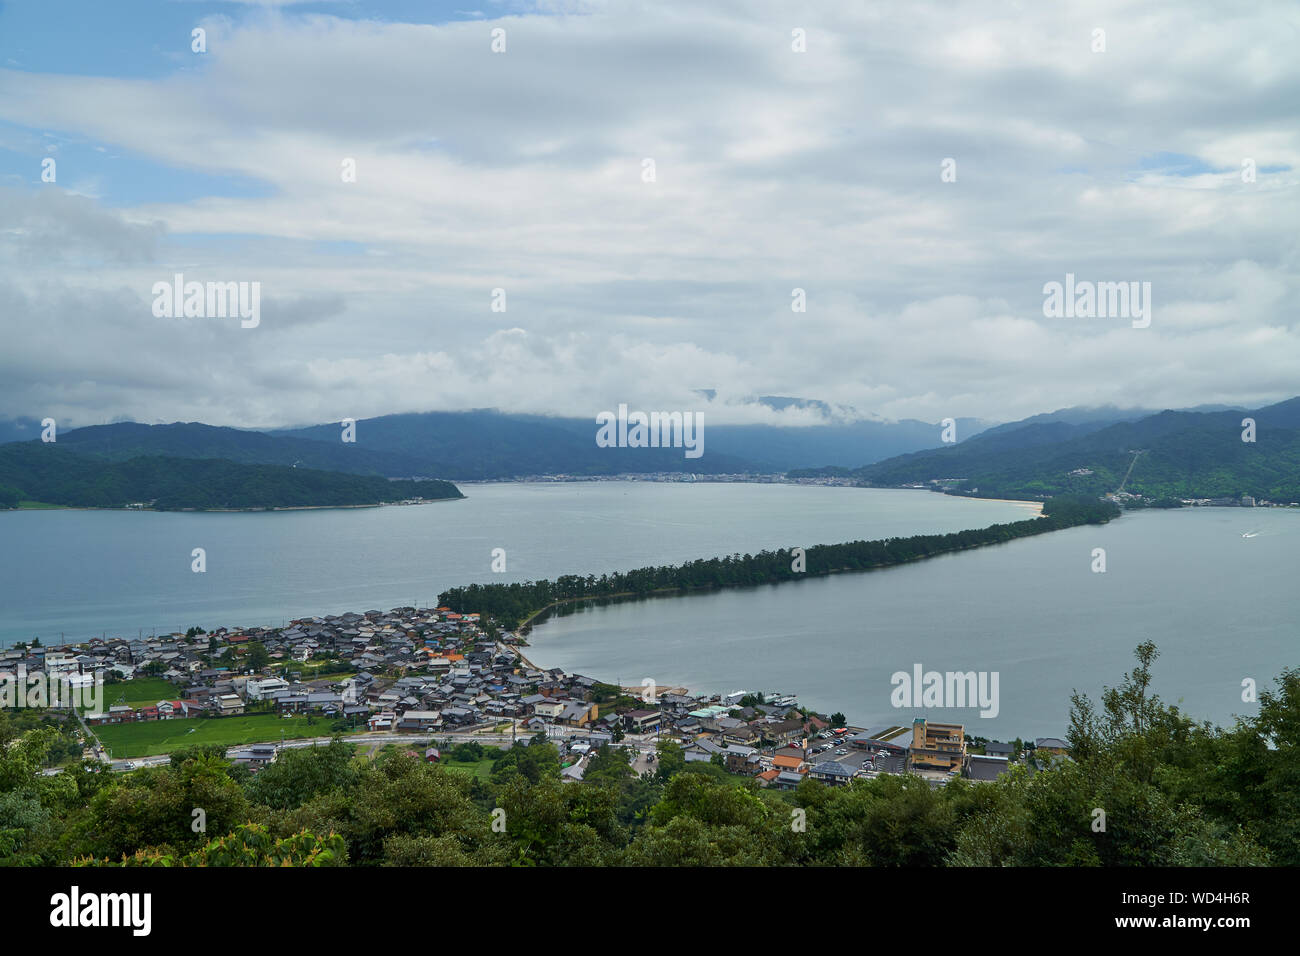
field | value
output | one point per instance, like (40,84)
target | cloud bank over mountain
(524,171)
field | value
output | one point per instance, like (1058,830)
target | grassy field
(478,768)
(139,692)
(164,736)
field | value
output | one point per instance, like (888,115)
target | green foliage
(1184,455)
(257,657)
(403,797)
(1143,788)
(9,497)
(45,472)
(669,758)
(197,752)
(1075,510)
(22,752)
(553,824)
(155,807)
(611,764)
(535,761)
(298,775)
(251,845)
(468,752)
(25,824)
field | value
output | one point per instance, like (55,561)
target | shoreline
(525,653)
(523,627)
(233,511)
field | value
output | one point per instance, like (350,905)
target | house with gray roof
(832,773)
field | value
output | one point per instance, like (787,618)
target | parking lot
(852,757)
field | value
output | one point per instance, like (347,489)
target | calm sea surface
(1222,607)
(84,573)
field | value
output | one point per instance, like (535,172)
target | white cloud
(775,170)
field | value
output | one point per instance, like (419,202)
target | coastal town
(427,678)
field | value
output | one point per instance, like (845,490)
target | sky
(920,170)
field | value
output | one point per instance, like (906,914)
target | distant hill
(47,473)
(486,444)
(126,440)
(1182,455)
(778,448)
(1070,422)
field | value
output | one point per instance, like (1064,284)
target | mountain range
(485,444)
(1163,456)
(1188,453)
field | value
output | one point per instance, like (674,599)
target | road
(1136,455)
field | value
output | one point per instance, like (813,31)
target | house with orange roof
(794,763)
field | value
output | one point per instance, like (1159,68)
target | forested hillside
(1172,455)
(46,473)
(126,440)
